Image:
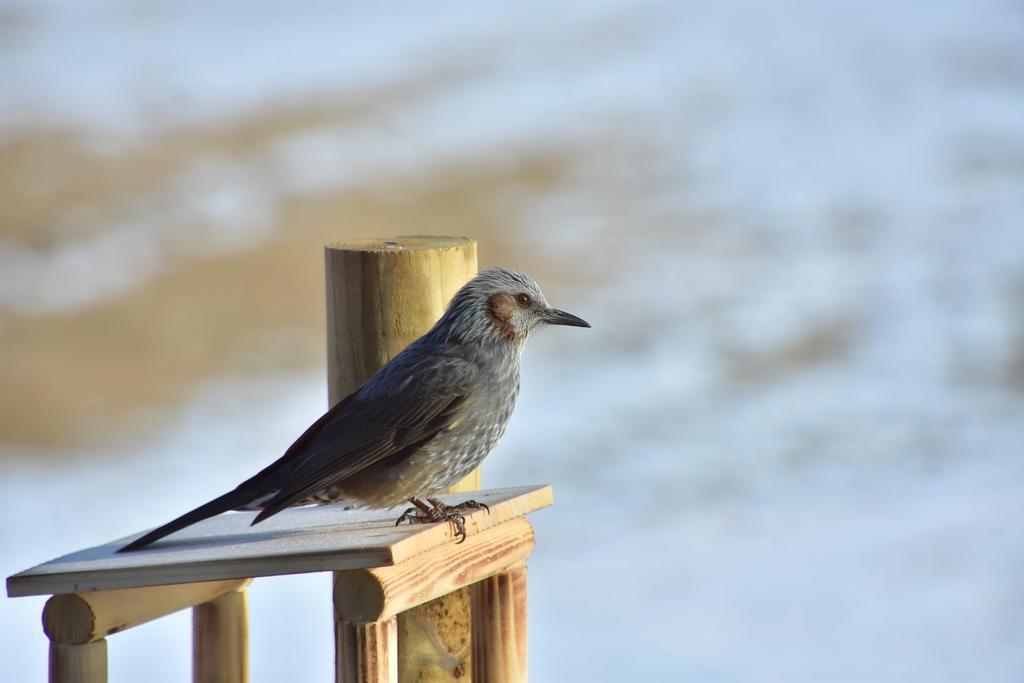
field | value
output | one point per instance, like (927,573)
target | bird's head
(502,304)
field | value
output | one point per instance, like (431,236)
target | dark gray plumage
(420,424)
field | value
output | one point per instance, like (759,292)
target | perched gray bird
(420,424)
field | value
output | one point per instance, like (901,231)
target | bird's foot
(421,513)
(438,511)
(453,514)
(465,506)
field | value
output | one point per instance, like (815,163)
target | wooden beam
(367,652)
(220,639)
(298,540)
(382,592)
(78,663)
(382,295)
(78,618)
(499,627)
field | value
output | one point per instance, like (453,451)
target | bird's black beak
(557,317)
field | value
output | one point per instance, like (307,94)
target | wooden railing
(381,573)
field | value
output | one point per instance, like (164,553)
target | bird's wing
(400,409)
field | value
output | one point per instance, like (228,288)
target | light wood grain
(433,640)
(77,618)
(499,627)
(366,652)
(220,639)
(78,663)
(302,540)
(381,592)
(382,295)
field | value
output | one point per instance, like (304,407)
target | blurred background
(792,447)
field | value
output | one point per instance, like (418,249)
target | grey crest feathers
(462,319)
(512,304)
(421,423)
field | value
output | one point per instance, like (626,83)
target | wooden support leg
(366,652)
(220,639)
(78,663)
(499,627)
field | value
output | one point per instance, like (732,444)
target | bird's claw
(458,524)
(410,516)
(470,505)
(437,511)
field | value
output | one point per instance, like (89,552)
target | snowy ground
(791,447)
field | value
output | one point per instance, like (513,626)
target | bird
(421,423)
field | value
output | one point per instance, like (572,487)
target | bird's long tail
(231,500)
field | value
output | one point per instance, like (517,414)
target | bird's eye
(523,299)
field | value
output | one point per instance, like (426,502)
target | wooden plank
(382,592)
(220,639)
(366,652)
(301,540)
(499,627)
(78,618)
(78,663)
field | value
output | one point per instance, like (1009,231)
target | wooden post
(369,651)
(499,627)
(79,663)
(220,639)
(381,295)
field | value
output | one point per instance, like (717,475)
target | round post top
(402,243)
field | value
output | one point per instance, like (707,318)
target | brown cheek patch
(500,308)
